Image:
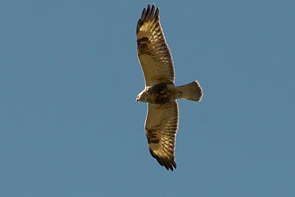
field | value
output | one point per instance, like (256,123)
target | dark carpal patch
(142,40)
(152,136)
(142,46)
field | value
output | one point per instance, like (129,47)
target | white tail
(191,91)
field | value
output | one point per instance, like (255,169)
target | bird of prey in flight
(160,93)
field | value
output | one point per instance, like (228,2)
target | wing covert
(161,127)
(153,52)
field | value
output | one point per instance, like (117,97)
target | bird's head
(141,97)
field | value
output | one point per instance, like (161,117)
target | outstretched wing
(161,127)
(153,52)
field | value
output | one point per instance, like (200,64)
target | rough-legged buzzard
(160,93)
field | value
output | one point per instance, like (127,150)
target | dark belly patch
(161,93)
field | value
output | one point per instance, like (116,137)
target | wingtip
(168,163)
(148,13)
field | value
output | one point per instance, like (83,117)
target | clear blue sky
(69,76)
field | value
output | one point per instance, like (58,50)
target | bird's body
(160,91)
(159,94)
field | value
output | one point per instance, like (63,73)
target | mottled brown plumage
(160,92)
